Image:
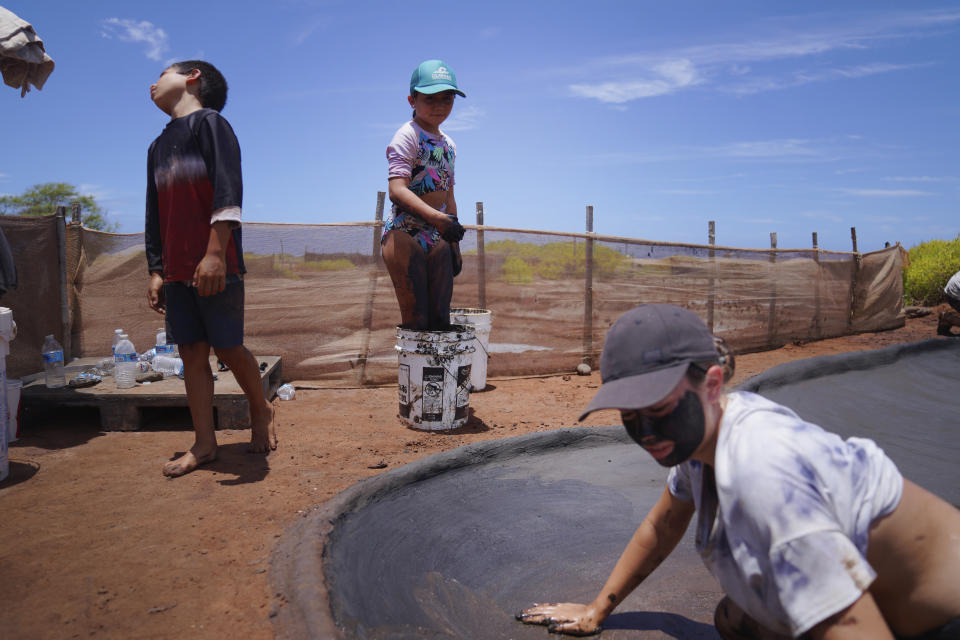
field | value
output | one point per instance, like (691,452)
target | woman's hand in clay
(563,617)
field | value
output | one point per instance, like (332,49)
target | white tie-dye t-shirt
(953,286)
(793,508)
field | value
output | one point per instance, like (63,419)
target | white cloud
(885,193)
(921,179)
(686,192)
(94,190)
(778,148)
(304,31)
(743,66)
(822,215)
(127,30)
(667,77)
(800,78)
(464,117)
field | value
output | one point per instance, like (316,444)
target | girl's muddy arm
(653,541)
(401,195)
(454,246)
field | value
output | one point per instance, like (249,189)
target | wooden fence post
(588,292)
(772,318)
(854,278)
(817,328)
(64,300)
(711,282)
(372,277)
(481,261)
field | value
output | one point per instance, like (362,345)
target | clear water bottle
(125,365)
(116,338)
(163,347)
(53,363)
(165,360)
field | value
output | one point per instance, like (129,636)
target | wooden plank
(125,409)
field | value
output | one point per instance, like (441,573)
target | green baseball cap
(434,76)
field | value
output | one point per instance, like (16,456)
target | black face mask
(684,426)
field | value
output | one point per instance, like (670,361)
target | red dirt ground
(97,544)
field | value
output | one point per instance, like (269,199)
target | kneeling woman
(420,244)
(809,535)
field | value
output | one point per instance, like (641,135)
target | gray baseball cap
(646,353)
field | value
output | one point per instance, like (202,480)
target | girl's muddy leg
(407,266)
(440,274)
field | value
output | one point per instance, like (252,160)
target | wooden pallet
(129,409)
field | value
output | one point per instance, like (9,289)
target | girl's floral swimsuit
(427,161)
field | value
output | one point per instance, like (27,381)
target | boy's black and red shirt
(193,180)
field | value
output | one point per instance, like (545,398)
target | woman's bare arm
(860,621)
(652,542)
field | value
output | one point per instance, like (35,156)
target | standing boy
(194,253)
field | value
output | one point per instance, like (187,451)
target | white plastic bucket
(13,409)
(433,374)
(480,320)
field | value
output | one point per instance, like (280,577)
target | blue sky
(790,117)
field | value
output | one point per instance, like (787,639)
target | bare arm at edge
(653,541)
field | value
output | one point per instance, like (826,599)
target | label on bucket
(463,392)
(463,377)
(403,389)
(432,394)
(403,378)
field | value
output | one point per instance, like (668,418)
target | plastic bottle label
(53,356)
(164,349)
(125,357)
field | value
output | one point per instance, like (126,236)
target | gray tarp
(23,60)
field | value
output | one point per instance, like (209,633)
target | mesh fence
(320,297)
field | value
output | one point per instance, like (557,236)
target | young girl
(420,241)
(809,535)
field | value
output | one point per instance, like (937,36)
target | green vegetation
(340,264)
(931,265)
(553,261)
(285,272)
(43,200)
(516,271)
(288,266)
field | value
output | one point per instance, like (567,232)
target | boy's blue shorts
(216,320)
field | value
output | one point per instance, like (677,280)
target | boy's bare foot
(188,462)
(263,436)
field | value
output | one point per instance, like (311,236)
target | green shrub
(340,264)
(285,272)
(559,260)
(931,265)
(516,271)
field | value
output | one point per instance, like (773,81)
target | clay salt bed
(96,543)
(448,546)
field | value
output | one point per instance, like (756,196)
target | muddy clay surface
(97,543)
